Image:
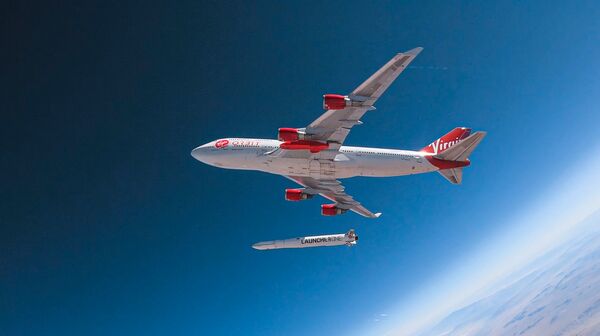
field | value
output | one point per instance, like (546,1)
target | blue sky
(554,216)
(110,227)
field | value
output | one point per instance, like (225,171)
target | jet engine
(335,102)
(331,210)
(312,146)
(286,134)
(295,139)
(296,195)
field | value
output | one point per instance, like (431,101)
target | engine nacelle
(312,146)
(295,139)
(296,195)
(290,134)
(331,210)
(335,102)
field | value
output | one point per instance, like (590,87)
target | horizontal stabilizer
(453,175)
(462,150)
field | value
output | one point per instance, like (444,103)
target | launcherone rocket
(349,238)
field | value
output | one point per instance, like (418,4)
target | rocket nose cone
(266,245)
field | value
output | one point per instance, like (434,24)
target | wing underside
(334,191)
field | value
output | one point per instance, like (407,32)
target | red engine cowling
(312,146)
(289,134)
(331,210)
(295,139)
(296,195)
(335,102)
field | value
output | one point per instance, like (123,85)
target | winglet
(414,51)
(377,215)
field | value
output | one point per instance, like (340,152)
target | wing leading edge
(334,125)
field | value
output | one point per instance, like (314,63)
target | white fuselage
(261,155)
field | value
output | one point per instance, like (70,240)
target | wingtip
(377,215)
(414,51)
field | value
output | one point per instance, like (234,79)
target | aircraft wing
(333,190)
(334,125)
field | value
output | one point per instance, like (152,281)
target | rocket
(349,239)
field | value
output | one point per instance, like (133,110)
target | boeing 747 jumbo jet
(315,157)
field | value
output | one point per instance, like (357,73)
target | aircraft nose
(199,153)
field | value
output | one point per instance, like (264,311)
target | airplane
(315,157)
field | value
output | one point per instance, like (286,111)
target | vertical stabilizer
(448,140)
(451,152)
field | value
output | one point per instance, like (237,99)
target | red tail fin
(450,139)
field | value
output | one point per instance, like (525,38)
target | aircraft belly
(319,169)
(345,166)
(288,166)
(382,166)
